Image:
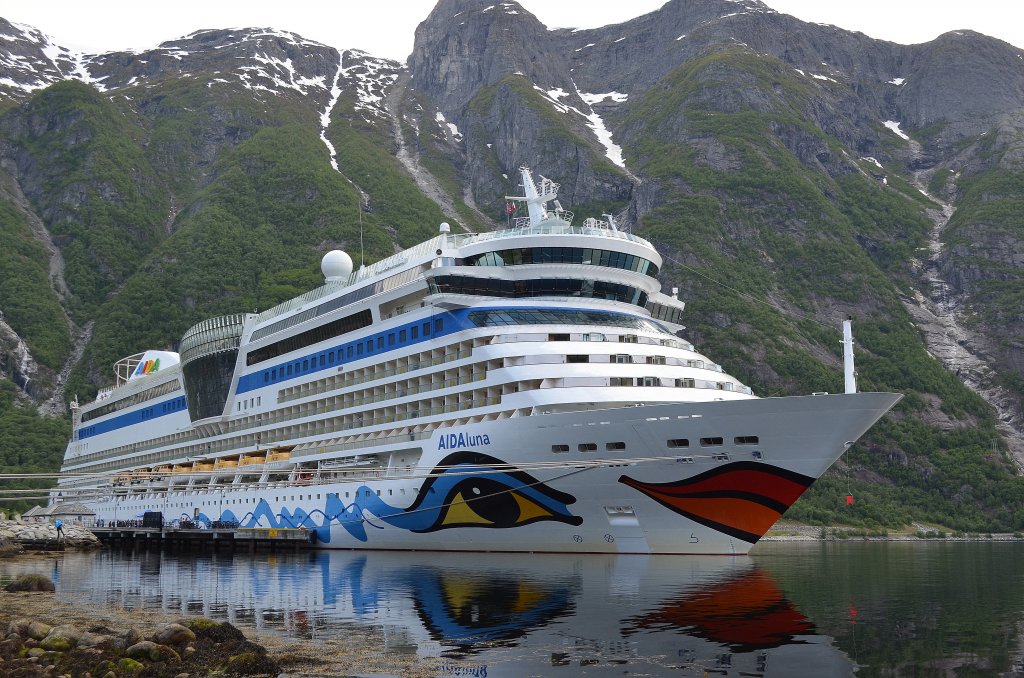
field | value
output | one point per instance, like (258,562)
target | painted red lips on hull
(742,499)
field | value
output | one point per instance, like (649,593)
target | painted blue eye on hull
(466,489)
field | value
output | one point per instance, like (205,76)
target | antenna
(361,261)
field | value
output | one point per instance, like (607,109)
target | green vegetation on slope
(980,237)
(28,303)
(97,192)
(365,155)
(29,443)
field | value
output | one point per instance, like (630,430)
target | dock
(206,540)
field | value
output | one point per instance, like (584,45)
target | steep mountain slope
(792,174)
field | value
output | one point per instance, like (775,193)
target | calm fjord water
(812,609)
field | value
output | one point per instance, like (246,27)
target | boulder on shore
(196,647)
(19,532)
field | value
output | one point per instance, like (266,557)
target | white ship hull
(645,498)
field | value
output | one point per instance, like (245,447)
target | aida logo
(147,367)
(452,441)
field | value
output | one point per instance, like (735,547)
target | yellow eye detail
(484,503)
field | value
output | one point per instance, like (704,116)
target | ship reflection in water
(496,614)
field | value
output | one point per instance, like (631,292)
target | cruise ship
(525,389)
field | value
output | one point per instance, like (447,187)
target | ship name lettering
(450,441)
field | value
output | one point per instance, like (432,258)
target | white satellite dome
(336,266)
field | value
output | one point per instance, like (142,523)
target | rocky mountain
(791,173)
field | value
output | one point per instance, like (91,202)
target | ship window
(426,329)
(380,343)
(679,442)
(615,447)
(330,358)
(745,440)
(655,360)
(685,383)
(563,255)
(438,325)
(360,349)
(415,331)
(651,381)
(391,339)
(593,336)
(323,360)
(623,358)
(289,370)
(712,441)
(620,381)
(403,336)
(349,351)
(273,373)
(628,339)
(559,448)
(587,447)
(305,365)
(558,337)
(312,336)
(266,379)
(577,358)
(369,345)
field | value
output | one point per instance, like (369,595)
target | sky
(385,28)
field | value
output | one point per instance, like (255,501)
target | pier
(206,540)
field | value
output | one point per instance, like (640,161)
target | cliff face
(792,174)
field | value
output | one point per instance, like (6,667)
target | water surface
(791,610)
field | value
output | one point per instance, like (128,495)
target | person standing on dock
(59,524)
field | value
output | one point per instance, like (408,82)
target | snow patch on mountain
(895,127)
(372,77)
(452,128)
(593,120)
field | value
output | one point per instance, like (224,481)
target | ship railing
(589,338)
(358,275)
(546,228)
(381,397)
(325,429)
(559,358)
(648,382)
(375,376)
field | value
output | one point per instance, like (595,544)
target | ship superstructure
(518,390)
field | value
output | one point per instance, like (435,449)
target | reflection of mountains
(747,613)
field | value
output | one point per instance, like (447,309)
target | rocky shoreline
(106,630)
(23,532)
(184,648)
(786,531)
